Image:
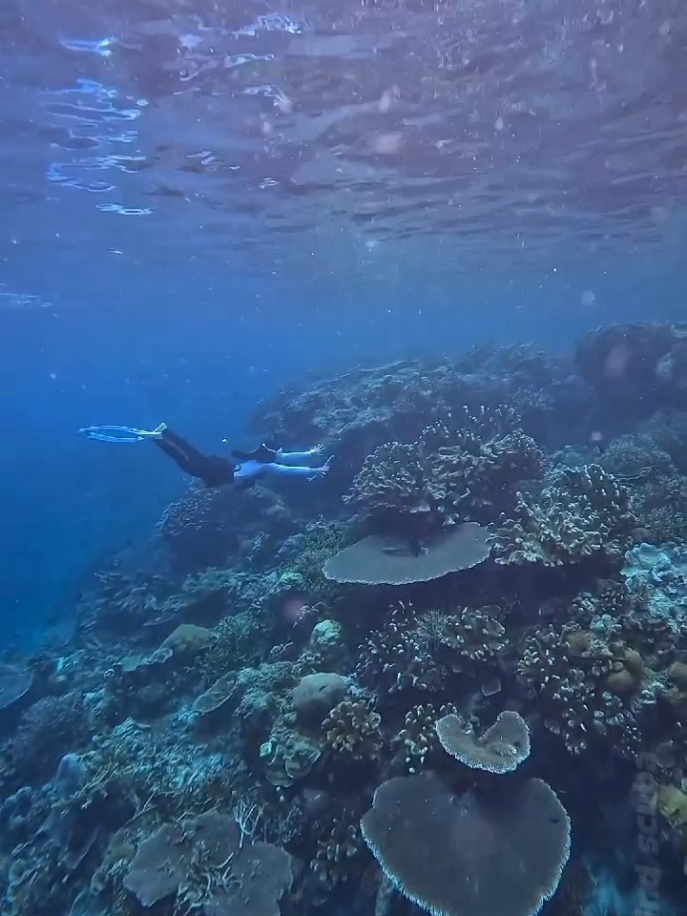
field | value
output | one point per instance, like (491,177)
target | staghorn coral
(237,644)
(139,769)
(583,513)
(466,470)
(352,728)
(304,572)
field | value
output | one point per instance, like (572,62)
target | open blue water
(202,202)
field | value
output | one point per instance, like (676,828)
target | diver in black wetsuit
(215,470)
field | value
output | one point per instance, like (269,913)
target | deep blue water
(212,205)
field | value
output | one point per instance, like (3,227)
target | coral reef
(636,368)
(584,684)
(206,527)
(482,610)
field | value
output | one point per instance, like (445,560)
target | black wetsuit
(213,470)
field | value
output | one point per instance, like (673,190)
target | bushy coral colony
(452,676)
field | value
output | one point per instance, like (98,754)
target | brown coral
(353,728)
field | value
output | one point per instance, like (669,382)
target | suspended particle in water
(388,98)
(295,610)
(387,144)
(617,360)
(588,297)
(284,104)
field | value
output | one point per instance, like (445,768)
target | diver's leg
(297,459)
(287,470)
(186,456)
(213,470)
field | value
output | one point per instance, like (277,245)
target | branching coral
(571,673)
(319,542)
(582,513)
(339,852)
(465,641)
(431,652)
(394,658)
(467,469)
(352,728)
(418,740)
